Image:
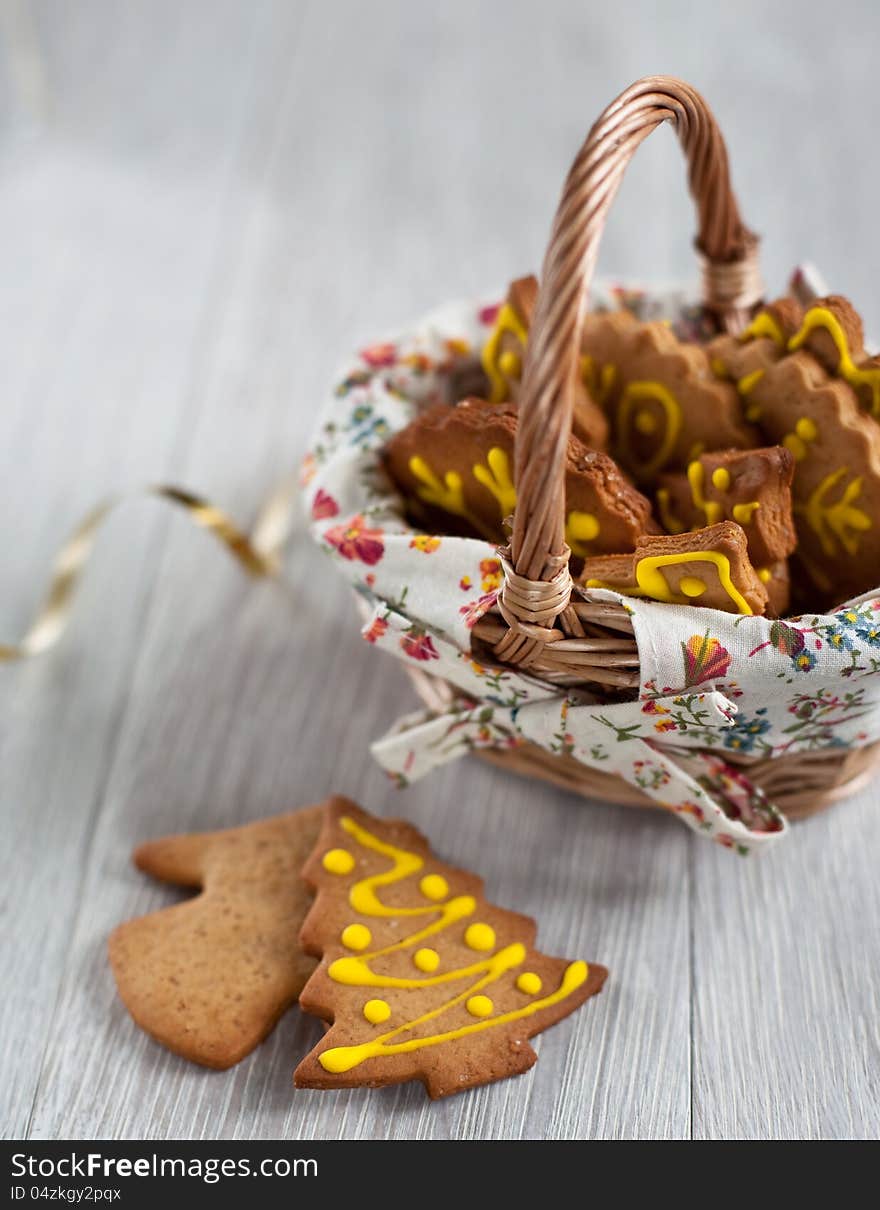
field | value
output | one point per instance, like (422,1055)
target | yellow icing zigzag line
(821,317)
(343,1058)
(354,971)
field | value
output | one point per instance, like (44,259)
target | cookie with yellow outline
(835,442)
(421,978)
(209,978)
(504,352)
(751,487)
(709,567)
(832,331)
(454,467)
(665,405)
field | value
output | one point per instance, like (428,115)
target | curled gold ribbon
(258,553)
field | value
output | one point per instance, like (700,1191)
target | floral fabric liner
(715,684)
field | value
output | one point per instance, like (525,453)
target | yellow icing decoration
(480,1006)
(497,479)
(753,412)
(434,886)
(357,972)
(718,368)
(338,861)
(510,364)
(356,937)
(506,321)
(743,513)
(344,1058)
(651,582)
(721,478)
(764,325)
(821,317)
(692,586)
(646,422)
(377,1011)
(697,478)
(841,520)
(805,432)
(765,575)
(581,528)
(479,936)
(599,384)
(748,382)
(426,960)
(529,982)
(670,522)
(448,495)
(639,392)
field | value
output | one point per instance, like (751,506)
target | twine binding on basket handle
(536,593)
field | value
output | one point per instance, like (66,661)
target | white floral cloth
(712,683)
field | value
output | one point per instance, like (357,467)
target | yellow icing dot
(434,886)
(806,429)
(356,937)
(692,586)
(721,478)
(480,1006)
(749,381)
(338,861)
(753,412)
(743,513)
(480,937)
(530,983)
(510,364)
(765,575)
(646,422)
(426,960)
(377,1011)
(796,447)
(718,368)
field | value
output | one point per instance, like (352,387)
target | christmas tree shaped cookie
(420,977)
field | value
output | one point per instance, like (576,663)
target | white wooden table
(203,206)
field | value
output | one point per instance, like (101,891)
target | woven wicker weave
(537,625)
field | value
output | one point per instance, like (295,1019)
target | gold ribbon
(259,553)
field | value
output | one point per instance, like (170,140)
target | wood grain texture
(211,204)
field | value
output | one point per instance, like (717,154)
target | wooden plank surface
(203,207)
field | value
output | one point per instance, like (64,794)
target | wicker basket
(538,624)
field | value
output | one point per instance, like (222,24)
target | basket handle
(537,585)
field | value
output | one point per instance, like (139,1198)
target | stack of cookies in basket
(742,474)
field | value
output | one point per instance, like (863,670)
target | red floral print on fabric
(419,646)
(354,540)
(324,506)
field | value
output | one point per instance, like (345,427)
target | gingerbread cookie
(709,567)
(751,487)
(744,359)
(455,468)
(420,977)
(666,405)
(835,443)
(832,331)
(210,977)
(504,353)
